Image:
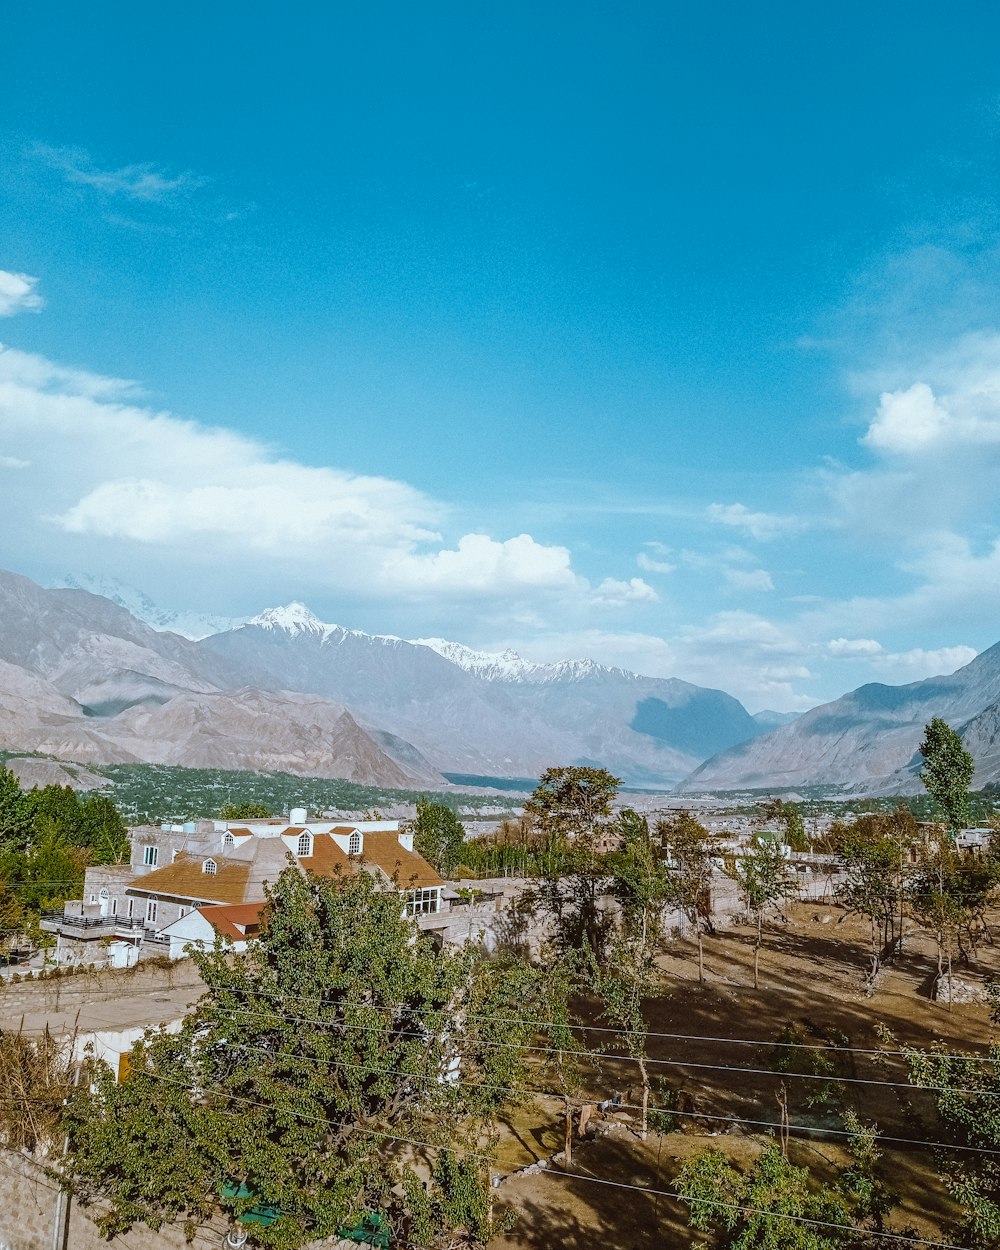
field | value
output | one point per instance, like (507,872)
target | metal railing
(92,922)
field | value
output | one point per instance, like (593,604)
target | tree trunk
(756,954)
(569,1133)
(701,957)
(949,976)
(644,1122)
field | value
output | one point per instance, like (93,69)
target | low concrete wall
(31,1210)
(28,1216)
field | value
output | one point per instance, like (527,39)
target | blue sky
(667,334)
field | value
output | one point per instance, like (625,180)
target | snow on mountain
(193,625)
(491,665)
(295,618)
(508,666)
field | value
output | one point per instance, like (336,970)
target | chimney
(297,816)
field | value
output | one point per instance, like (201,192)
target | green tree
(102,830)
(874,850)
(316,1070)
(947,772)
(775,1205)
(967,1093)
(15,813)
(949,894)
(626,974)
(691,868)
(572,802)
(762,879)
(789,815)
(439,836)
(244,811)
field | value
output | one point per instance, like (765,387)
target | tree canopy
(947,772)
(316,1072)
(247,810)
(571,801)
(439,836)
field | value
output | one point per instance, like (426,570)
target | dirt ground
(812,975)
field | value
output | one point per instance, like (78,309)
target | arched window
(305,845)
(210,866)
(228,840)
(354,843)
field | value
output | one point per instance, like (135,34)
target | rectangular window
(150,854)
(93,898)
(182,912)
(423,902)
(114,907)
(131,908)
(151,911)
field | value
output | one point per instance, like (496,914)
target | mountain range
(866,741)
(83,678)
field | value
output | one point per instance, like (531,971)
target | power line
(684,1037)
(446,1079)
(774,1215)
(675,1063)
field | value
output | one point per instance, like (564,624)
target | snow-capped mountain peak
(294,618)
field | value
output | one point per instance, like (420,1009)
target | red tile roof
(235,920)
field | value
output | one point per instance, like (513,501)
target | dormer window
(228,840)
(210,866)
(354,843)
(305,844)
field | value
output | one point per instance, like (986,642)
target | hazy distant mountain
(772,720)
(865,740)
(488,713)
(82,679)
(188,624)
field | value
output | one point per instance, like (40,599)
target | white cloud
(907,421)
(763,526)
(917,663)
(481,564)
(854,647)
(655,558)
(109,473)
(12,462)
(613,593)
(143,182)
(748,579)
(18,294)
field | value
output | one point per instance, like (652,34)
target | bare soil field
(812,975)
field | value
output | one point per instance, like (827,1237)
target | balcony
(84,928)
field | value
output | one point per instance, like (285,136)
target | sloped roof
(242,874)
(184,879)
(326,857)
(412,871)
(237,921)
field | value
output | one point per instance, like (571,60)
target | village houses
(187,883)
